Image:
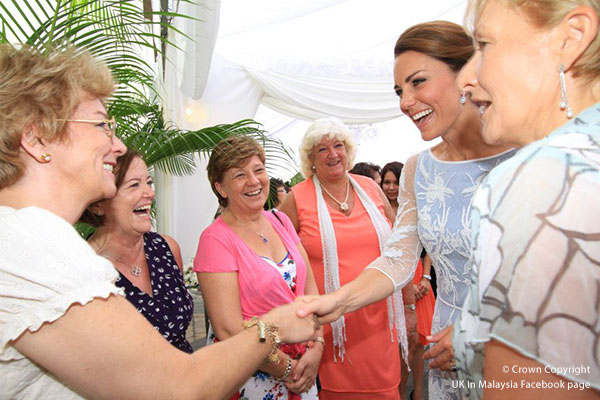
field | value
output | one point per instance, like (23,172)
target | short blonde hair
(331,128)
(40,87)
(546,14)
(231,152)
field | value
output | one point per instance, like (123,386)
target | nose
(118,148)
(467,77)
(331,151)
(407,100)
(149,192)
(253,178)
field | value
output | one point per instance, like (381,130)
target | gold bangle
(264,330)
(320,340)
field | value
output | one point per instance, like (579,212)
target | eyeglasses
(109,125)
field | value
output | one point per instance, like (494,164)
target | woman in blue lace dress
(436,186)
(149,264)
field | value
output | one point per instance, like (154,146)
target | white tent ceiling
(285,63)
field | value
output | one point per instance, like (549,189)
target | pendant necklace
(134,269)
(262,229)
(343,204)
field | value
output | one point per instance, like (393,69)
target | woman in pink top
(250,261)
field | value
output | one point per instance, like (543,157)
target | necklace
(135,270)
(343,204)
(262,229)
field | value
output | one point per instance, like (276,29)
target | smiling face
(246,187)
(428,91)
(330,159)
(129,210)
(513,77)
(390,186)
(84,160)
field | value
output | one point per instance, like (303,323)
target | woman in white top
(66,331)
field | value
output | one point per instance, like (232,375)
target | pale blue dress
(434,212)
(536,270)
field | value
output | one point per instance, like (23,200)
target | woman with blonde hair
(343,221)
(66,330)
(532,313)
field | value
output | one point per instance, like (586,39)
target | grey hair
(331,128)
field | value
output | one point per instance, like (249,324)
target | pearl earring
(45,158)
(564,103)
(463,97)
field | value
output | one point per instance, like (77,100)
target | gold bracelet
(320,340)
(264,330)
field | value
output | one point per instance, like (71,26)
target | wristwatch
(411,307)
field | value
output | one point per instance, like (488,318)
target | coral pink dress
(424,308)
(371,366)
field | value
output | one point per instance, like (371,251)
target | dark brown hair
(123,164)
(395,167)
(442,40)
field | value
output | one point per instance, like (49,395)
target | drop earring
(45,158)
(463,97)
(564,103)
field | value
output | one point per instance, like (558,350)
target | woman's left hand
(305,372)
(441,352)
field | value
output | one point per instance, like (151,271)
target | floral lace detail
(434,212)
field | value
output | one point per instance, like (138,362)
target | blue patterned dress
(444,192)
(536,271)
(170,308)
(434,212)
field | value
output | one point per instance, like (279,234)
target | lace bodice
(434,212)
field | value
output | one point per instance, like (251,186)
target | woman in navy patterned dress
(149,264)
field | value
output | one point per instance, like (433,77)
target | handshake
(300,320)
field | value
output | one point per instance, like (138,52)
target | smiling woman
(533,304)
(65,329)
(343,221)
(249,261)
(149,264)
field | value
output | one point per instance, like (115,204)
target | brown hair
(442,40)
(123,164)
(40,88)
(546,14)
(229,153)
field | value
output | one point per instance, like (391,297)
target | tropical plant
(126,34)
(131,39)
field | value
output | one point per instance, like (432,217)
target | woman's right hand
(292,328)
(325,307)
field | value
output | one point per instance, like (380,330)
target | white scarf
(331,267)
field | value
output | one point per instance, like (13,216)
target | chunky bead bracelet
(264,330)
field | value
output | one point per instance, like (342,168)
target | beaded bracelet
(288,369)
(264,330)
